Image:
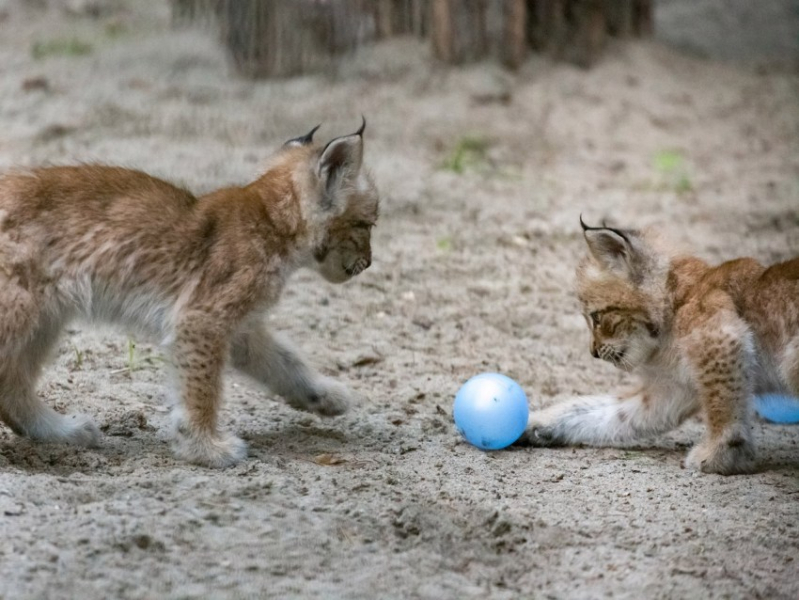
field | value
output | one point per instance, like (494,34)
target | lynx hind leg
(199,357)
(28,416)
(274,363)
(26,339)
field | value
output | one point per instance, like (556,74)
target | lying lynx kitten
(700,338)
(196,274)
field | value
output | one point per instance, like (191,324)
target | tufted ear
(304,140)
(614,249)
(340,162)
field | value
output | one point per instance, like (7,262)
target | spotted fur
(700,338)
(195,274)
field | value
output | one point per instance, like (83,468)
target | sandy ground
(473,272)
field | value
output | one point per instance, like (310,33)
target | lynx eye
(363,224)
(595,317)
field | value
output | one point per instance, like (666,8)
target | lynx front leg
(609,420)
(199,353)
(275,364)
(719,356)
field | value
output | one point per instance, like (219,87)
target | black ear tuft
(363,126)
(625,235)
(304,140)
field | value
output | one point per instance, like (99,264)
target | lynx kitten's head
(339,202)
(621,285)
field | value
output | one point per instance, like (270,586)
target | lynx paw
(332,399)
(540,436)
(542,431)
(82,431)
(216,452)
(329,399)
(730,457)
(77,430)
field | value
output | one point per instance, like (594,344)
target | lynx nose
(594,351)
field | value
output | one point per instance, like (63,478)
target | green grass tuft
(674,174)
(78,356)
(60,47)
(132,361)
(469,152)
(668,161)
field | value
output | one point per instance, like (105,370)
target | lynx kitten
(195,274)
(701,338)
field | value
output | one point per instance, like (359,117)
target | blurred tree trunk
(189,12)
(265,39)
(577,30)
(419,15)
(400,17)
(460,30)
(574,30)
(643,18)
(276,38)
(514,34)
(269,38)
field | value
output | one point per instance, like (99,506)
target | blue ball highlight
(491,411)
(778,408)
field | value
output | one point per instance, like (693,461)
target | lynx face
(341,203)
(623,337)
(619,291)
(347,249)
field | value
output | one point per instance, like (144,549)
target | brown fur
(118,245)
(701,338)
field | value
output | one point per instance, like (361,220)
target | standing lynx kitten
(701,338)
(196,274)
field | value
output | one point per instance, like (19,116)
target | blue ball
(490,411)
(778,408)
